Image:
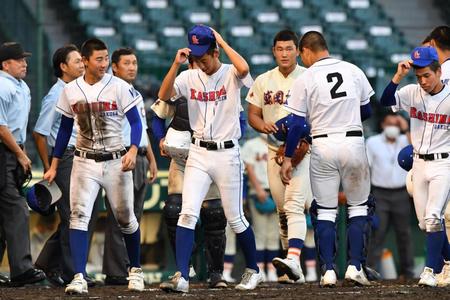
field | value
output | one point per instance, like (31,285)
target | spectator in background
(388,187)
(262,206)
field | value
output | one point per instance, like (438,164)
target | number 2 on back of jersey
(333,92)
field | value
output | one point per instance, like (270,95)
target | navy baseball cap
(200,39)
(424,56)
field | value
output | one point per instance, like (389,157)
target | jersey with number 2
(330,93)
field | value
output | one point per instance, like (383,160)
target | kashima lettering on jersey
(219,95)
(98,110)
(104,108)
(210,116)
(437,119)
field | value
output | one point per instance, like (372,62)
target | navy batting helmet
(41,197)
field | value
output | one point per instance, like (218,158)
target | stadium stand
(357,29)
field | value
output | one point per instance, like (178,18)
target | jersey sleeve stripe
(62,111)
(133,103)
(367,98)
(294,111)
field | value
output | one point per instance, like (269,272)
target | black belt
(432,156)
(99,156)
(211,145)
(348,133)
(141,150)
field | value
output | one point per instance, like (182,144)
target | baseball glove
(299,154)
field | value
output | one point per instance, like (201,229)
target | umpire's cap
(42,197)
(424,56)
(405,158)
(12,50)
(200,39)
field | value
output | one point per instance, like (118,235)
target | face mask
(391,132)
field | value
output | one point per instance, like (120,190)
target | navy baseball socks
(326,233)
(247,241)
(435,242)
(135,274)
(133,245)
(184,242)
(355,243)
(79,249)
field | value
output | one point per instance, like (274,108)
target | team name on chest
(203,96)
(441,121)
(103,108)
(278,97)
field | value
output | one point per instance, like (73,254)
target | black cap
(12,50)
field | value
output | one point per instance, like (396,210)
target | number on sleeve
(333,91)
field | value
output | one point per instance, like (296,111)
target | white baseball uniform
(255,153)
(214,106)
(330,94)
(177,166)
(430,134)
(270,92)
(99,110)
(445,77)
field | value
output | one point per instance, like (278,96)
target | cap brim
(422,63)
(198,50)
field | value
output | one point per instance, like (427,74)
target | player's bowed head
(425,63)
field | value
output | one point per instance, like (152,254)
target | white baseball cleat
(289,267)
(250,280)
(176,284)
(443,278)
(427,278)
(78,285)
(329,279)
(356,277)
(311,274)
(136,280)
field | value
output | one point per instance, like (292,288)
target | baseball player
(428,104)
(55,258)
(213,93)
(335,96)
(115,260)
(266,98)
(262,206)
(98,102)
(440,40)
(15,101)
(175,144)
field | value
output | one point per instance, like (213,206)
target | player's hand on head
(286,171)
(269,127)
(182,55)
(404,67)
(219,39)
(129,160)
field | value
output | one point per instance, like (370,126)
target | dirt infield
(383,290)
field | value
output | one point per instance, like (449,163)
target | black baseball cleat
(54,278)
(90,281)
(4,280)
(216,281)
(29,277)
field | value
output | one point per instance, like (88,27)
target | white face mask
(391,132)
